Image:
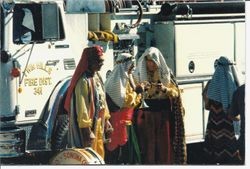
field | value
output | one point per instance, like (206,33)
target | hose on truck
(115,5)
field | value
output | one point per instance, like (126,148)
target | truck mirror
(37,23)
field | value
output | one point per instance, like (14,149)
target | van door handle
(52,62)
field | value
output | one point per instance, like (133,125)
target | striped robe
(220,142)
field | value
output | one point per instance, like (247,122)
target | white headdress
(154,54)
(115,85)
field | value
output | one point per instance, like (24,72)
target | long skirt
(124,148)
(155,137)
(128,153)
(220,144)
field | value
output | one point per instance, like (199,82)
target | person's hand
(161,87)
(139,88)
(146,85)
(108,127)
(108,131)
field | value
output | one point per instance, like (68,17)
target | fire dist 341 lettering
(37,82)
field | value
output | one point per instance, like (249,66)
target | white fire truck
(41,43)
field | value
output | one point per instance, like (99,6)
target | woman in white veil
(121,99)
(160,126)
(156,56)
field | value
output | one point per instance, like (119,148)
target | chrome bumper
(12,142)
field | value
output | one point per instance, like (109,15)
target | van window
(23,26)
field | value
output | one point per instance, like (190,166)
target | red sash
(119,120)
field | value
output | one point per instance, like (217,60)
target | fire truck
(41,42)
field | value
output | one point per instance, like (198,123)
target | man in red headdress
(86,103)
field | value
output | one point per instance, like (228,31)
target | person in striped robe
(220,142)
(122,99)
(86,103)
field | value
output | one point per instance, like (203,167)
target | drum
(77,156)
